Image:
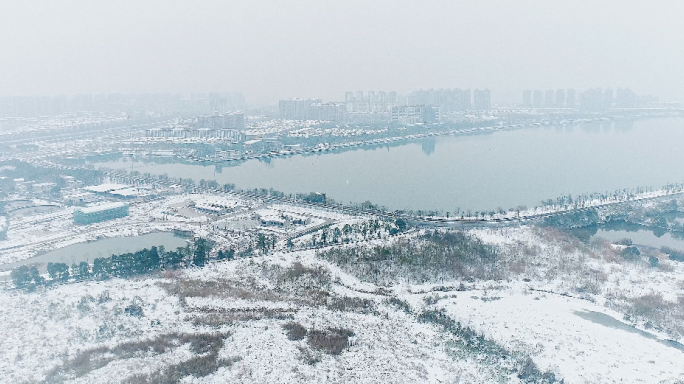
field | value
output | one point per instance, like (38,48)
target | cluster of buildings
(278,218)
(119,191)
(594,98)
(447,99)
(360,102)
(184,132)
(30,187)
(215,205)
(229,120)
(420,105)
(538,99)
(310,109)
(453,100)
(227,126)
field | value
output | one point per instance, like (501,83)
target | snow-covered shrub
(331,340)
(434,255)
(295,331)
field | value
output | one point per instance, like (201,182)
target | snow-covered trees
(124,265)
(25,277)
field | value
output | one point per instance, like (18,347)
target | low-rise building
(43,188)
(131,193)
(105,188)
(296,219)
(79,198)
(102,212)
(273,220)
(215,206)
(277,218)
(412,114)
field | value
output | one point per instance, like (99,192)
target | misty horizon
(310,50)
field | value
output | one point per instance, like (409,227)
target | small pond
(640,235)
(100,248)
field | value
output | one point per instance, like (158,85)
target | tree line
(123,265)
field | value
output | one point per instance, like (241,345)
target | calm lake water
(643,237)
(100,248)
(478,172)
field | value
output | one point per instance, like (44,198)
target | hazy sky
(277,49)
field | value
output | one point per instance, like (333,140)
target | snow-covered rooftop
(129,192)
(102,207)
(102,188)
(216,201)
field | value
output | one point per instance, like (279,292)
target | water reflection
(427,145)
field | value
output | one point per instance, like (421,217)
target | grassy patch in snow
(205,345)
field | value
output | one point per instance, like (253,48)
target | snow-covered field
(93,332)
(549,307)
(54,328)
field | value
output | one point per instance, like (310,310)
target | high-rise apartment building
(482,99)
(372,102)
(349,101)
(327,111)
(592,99)
(548,98)
(296,109)
(560,98)
(537,101)
(570,98)
(448,100)
(527,98)
(466,101)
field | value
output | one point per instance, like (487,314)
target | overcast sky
(278,49)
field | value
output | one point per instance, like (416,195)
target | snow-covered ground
(85,332)
(39,233)
(574,311)
(54,328)
(579,340)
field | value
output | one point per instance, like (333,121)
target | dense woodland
(432,256)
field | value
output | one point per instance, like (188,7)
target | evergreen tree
(200,252)
(83,270)
(36,278)
(58,271)
(173,259)
(75,272)
(262,243)
(20,276)
(153,259)
(101,267)
(52,272)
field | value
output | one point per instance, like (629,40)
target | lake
(503,169)
(100,248)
